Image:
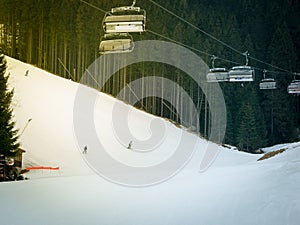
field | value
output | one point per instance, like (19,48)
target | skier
(129,145)
(84,150)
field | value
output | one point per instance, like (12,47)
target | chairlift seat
(128,21)
(116,43)
(294,87)
(217,75)
(124,18)
(267,84)
(241,74)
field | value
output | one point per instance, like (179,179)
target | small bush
(271,154)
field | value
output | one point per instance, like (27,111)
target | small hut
(18,158)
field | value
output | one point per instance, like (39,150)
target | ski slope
(236,189)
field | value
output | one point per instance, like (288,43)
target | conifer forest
(63,36)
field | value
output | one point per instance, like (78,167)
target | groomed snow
(236,189)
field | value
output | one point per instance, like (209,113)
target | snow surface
(236,189)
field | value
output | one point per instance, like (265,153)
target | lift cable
(197,28)
(209,35)
(93,6)
(167,38)
(214,38)
(190,47)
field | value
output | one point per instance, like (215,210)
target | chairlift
(267,83)
(217,75)
(241,73)
(126,19)
(294,87)
(116,43)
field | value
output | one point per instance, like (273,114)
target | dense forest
(63,37)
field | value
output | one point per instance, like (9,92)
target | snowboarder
(129,145)
(26,74)
(84,150)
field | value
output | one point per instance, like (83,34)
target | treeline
(63,37)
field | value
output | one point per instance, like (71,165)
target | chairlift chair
(267,84)
(294,87)
(125,19)
(116,43)
(241,74)
(217,75)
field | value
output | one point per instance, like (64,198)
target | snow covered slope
(47,101)
(236,189)
(44,112)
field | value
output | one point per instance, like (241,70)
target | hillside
(236,188)
(63,38)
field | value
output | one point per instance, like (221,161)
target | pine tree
(8,135)
(282,53)
(246,129)
(251,129)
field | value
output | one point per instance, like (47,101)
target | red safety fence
(42,168)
